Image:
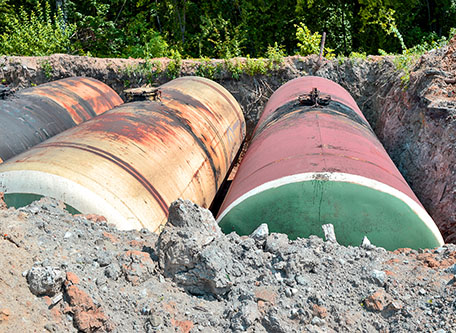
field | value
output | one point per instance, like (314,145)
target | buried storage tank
(130,163)
(314,160)
(36,114)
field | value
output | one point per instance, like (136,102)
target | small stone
(137,266)
(266,294)
(288,292)
(67,235)
(276,242)
(261,232)
(317,321)
(452,269)
(302,280)
(377,301)
(146,310)
(379,277)
(440,249)
(113,271)
(155,320)
(330,235)
(104,258)
(72,278)
(394,306)
(4,314)
(319,311)
(45,280)
(422,291)
(366,244)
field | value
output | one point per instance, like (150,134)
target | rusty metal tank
(36,114)
(314,160)
(130,163)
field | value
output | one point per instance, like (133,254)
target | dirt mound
(95,278)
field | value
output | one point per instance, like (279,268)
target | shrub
(308,42)
(275,56)
(36,34)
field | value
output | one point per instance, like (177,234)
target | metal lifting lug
(314,98)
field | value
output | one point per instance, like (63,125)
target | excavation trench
(414,120)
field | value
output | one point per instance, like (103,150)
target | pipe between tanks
(130,163)
(36,114)
(309,164)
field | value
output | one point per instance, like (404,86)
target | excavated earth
(64,273)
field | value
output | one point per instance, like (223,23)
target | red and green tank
(314,160)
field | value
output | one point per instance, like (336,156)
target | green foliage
(219,39)
(234,67)
(145,72)
(254,66)
(358,55)
(47,69)
(222,29)
(175,65)
(308,42)
(404,63)
(36,33)
(275,56)
(207,69)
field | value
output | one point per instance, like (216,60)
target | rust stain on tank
(36,114)
(138,158)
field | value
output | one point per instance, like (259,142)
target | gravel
(194,278)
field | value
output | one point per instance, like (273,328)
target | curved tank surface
(314,160)
(36,114)
(130,163)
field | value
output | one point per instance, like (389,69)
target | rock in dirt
(379,277)
(87,317)
(45,280)
(189,253)
(4,314)
(137,266)
(261,232)
(328,230)
(377,301)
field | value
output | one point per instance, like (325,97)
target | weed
(405,63)
(275,56)
(148,70)
(175,65)
(234,67)
(207,69)
(254,66)
(47,69)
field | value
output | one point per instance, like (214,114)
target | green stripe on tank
(300,209)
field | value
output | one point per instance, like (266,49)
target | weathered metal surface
(130,163)
(311,144)
(36,114)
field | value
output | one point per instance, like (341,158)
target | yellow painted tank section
(130,163)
